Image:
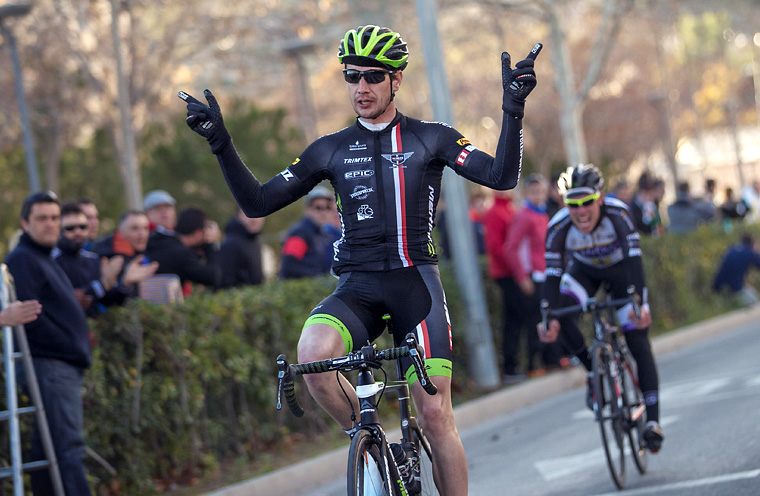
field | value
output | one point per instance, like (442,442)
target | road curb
(325,468)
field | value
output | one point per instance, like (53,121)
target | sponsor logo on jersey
(357,160)
(397,159)
(358,174)
(357,147)
(470,148)
(463,142)
(462,157)
(431,219)
(286,174)
(361,192)
(364,213)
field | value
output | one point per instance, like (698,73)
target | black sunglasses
(373,76)
(73,227)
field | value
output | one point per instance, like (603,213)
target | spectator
(554,202)
(732,272)
(731,209)
(683,214)
(751,197)
(306,243)
(92,281)
(497,221)
(59,342)
(241,251)
(160,207)
(93,220)
(525,247)
(644,208)
(189,250)
(706,204)
(129,242)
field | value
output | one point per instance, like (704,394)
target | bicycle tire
(427,483)
(608,411)
(635,412)
(367,473)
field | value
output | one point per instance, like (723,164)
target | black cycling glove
(518,82)
(206,120)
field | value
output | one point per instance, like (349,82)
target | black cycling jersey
(614,241)
(387,185)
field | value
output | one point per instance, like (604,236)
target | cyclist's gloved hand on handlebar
(206,120)
(518,82)
(549,335)
(645,317)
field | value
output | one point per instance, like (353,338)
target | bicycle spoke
(637,414)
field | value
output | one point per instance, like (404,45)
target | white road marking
(707,481)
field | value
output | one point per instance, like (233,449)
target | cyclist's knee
(435,412)
(319,342)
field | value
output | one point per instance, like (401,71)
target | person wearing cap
(386,170)
(307,249)
(59,342)
(160,207)
(593,243)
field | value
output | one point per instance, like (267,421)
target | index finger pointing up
(187,98)
(534,52)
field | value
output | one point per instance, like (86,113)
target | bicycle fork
(367,390)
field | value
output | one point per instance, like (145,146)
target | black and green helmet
(374,46)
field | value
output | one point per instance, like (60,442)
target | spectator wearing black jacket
(241,251)
(129,242)
(58,339)
(189,251)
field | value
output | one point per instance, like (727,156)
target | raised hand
(137,271)
(518,82)
(206,120)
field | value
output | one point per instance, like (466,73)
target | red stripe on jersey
(401,200)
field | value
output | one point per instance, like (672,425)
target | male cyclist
(590,243)
(386,171)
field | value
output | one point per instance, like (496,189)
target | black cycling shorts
(415,301)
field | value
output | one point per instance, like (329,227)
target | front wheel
(608,404)
(366,470)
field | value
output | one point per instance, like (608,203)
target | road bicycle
(618,403)
(375,466)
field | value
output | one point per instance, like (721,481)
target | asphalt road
(537,439)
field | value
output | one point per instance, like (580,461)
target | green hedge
(175,391)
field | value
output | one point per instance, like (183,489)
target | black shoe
(590,392)
(653,436)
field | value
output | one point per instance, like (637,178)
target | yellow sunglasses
(581,202)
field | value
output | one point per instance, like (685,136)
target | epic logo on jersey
(358,174)
(397,159)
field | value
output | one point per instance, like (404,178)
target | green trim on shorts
(323,318)
(434,366)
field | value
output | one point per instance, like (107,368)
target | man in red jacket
(526,246)
(497,221)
